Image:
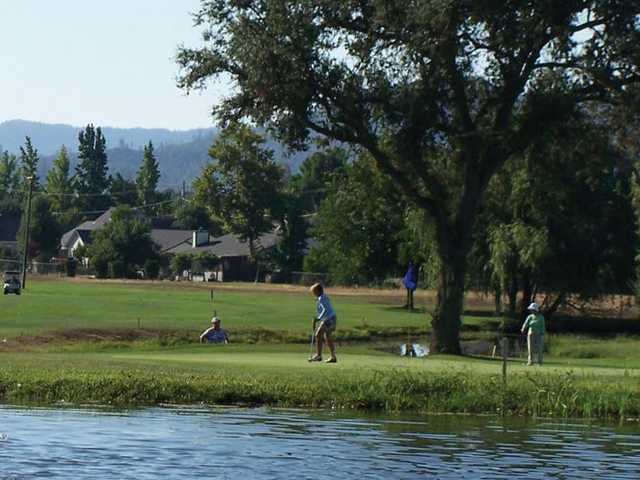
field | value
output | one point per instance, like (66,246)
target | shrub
(152,268)
(70,267)
(117,269)
(101,267)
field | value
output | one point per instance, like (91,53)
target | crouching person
(214,334)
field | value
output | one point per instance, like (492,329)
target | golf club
(313,334)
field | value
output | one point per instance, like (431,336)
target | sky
(110,63)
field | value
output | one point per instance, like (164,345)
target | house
(81,235)
(235,262)
(232,252)
(9,226)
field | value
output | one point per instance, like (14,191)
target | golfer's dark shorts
(329,323)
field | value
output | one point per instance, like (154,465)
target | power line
(140,207)
(45,193)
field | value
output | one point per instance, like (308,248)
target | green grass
(50,305)
(582,376)
(617,352)
(279,375)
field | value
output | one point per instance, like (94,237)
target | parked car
(11,283)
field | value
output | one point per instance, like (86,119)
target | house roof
(98,222)
(83,230)
(167,238)
(85,236)
(173,241)
(225,246)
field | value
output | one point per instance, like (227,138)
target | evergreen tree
(91,181)
(9,178)
(123,191)
(44,230)
(59,184)
(29,159)
(148,176)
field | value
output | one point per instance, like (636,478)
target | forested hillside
(180,154)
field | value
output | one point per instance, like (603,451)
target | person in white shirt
(326,315)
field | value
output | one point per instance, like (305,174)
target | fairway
(60,304)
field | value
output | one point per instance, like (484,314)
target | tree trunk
(555,305)
(445,335)
(512,293)
(253,258)
(497,301)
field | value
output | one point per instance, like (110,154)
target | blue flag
(410,280)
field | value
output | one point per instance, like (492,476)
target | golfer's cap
(215,320)
(534,306)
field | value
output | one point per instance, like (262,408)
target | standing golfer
(326,315)
(535,335)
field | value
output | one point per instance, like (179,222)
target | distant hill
(181,154)
(49,137)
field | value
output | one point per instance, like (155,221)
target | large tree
(44,229)
(123,245)
(191,215)
(440,92)
(9,182)
(358,226)
(540,237)
(29,160)
(91,179)
(242,186)
(148,176)
(316,174)
(59,185)
(123,190)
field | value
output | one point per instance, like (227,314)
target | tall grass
(396,390)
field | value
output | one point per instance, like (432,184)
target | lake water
(268,444)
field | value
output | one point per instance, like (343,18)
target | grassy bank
(134,344)
(278,375)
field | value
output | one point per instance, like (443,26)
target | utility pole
(26,234)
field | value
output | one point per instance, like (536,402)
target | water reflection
(228,443)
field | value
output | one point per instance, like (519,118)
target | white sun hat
(534,306)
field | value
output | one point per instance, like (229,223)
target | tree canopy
(91,179)
(441,93)
(242,185)
(122,245)
(148,176)
(29,160)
